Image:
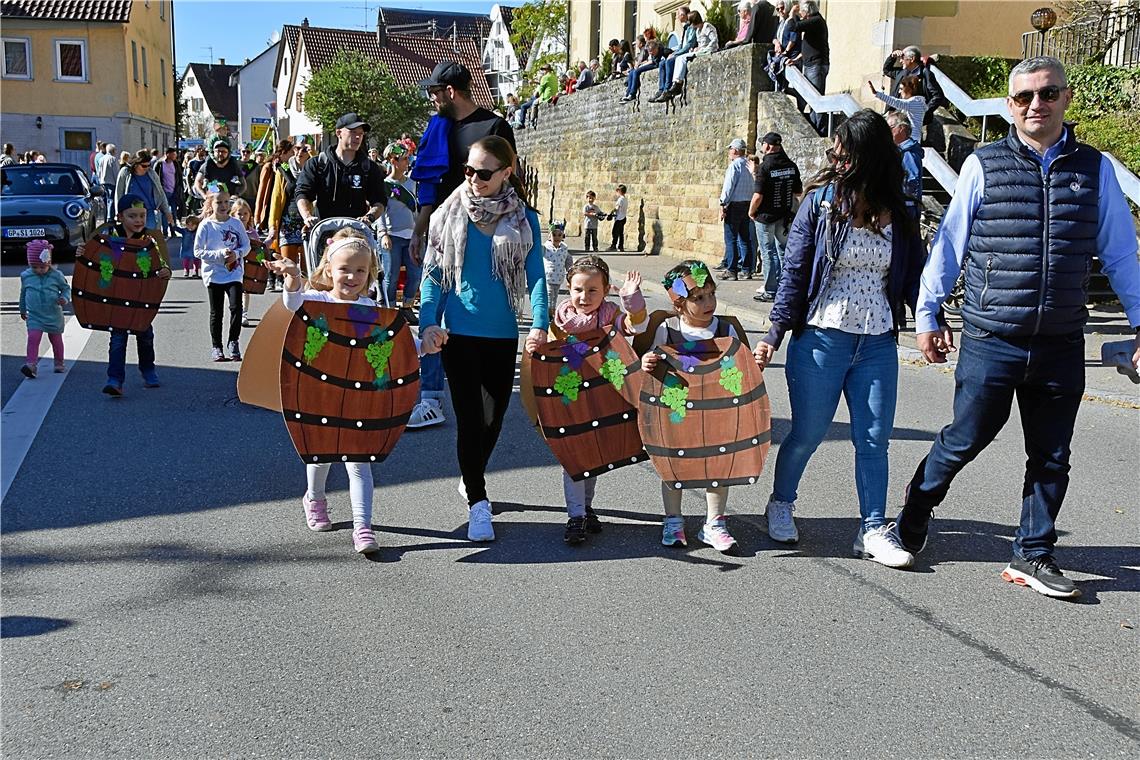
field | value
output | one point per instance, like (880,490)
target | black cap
(351,121)
(449,73)
(772,138)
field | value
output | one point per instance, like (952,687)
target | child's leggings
(35,337)
(716,500)
(360,488)
(579,494)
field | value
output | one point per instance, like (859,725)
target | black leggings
(480,376)
(217,294)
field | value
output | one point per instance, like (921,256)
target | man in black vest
(1028,214)
(341,180)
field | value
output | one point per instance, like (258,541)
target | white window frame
(27,57)
(59,77)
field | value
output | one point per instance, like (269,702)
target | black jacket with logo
(340,189)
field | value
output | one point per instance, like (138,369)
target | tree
(356,84)
(536,25)
(179,105)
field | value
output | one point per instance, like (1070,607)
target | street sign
(257,128)
(191,143)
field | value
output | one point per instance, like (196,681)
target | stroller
(326,228)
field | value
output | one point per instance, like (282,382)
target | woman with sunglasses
(853,261)
(285,221)
(484,258)
(138,177)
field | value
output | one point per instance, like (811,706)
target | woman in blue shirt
(484,256)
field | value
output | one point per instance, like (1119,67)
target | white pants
(360,487)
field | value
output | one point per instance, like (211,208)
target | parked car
(52,201)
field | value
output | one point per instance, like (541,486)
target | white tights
(360,488)
(716,499)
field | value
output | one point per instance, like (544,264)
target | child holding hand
(588,309)
(555,260)
(43,294)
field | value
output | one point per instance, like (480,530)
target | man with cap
(774,195)
(341,180)
(250,170)
(220,167)
(735,195)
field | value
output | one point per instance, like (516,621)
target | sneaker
(150,379)
(716,535)
(235,351)
(673,532)
(29,371)
(593,524)
(113,388)
(217,355)
(764,297)
(575,530)
(60,367)
(1042,575)
(882,545)
(479,526)
(746,276)
(781,524)
(720,268)
(364,540)
(728,274)
(245,321)
(316,513)
(912,527)
(425,414)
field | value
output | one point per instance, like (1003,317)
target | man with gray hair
(735,195)
(816,52)
(900,125)
(106,174)
(908,63)
(1029,213)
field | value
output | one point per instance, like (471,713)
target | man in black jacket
(908,62)
(816,52)
(778,185)
(341,181)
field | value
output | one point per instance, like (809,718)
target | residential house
(405,21)
(283,70)
(504,63)
(256,93)
(209,96)
(77,72)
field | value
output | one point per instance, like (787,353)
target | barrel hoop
(711,483)
(347,423)
(96,298)
(324,458)
(704,452)
(640,456)
(564,431)
(605,341)
(392,330)
(701,369)
(340,382)
(126,275)
(727,402)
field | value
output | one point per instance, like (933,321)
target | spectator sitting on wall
(640,50)
(546,91)
(657,54)
(622,59)
(816,53)
(688,41)
(910,101)
(747,25)
(707,43)
(786,40)
(911,159)
(512,102)
(908,62)
(571,81)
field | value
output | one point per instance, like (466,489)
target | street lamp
(1043,19)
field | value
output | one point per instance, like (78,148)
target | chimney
(305,21)
(381,29)
(221,61)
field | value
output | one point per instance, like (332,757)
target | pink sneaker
(364,540)
(316,513)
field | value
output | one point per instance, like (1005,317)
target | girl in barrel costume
(692,290)
(588,309)
(345,273)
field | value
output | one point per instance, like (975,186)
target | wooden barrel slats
(114,284)
(349,381)
(255,275)
(704,415)
(582,389)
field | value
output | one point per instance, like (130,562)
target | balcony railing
(1112,39)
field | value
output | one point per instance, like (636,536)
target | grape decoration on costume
(316,336)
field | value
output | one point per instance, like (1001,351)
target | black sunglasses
(835,157)
(483,174)
(1047,94)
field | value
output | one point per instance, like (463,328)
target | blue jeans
(431,376)
(109,199)
(665,73)
(771,237)
(816,73)
(1047,374)
(392,260)
(821,364)
(739,246)
(117,355)
(633,80)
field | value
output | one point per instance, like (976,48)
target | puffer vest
(1032,240)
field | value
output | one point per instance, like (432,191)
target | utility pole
(211,49)
(368,10)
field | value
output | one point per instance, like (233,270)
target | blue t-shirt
(144,187)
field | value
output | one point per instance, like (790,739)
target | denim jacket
(813,245)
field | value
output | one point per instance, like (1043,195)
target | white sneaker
(781,524)
(479,526)
(882,545)
(426,413)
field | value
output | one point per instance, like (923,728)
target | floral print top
(855,299)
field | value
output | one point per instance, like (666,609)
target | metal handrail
(942,172)
(828,104)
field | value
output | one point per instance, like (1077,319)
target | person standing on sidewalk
(735,196)
(106,173)
(778,185)
(168,171)
(1028,214)
(620,212)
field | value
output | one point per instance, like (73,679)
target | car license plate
(24,232)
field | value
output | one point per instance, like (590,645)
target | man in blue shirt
(1027,215)
(735,197)
(911,151)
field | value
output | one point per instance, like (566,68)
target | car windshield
(34,180)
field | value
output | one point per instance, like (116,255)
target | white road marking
(25,411)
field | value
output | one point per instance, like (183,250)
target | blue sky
(240,30)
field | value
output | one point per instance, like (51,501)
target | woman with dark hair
(853,262)
(286,226)
(484,258)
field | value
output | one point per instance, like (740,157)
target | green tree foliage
(722,16)
(354,83)
(533,22)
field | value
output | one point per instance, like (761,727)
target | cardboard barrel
(114,284)
(581,388)
(349,380)
(259,379)
(704,415)
(256,275)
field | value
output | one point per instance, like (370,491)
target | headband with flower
(680,285)
(216,186)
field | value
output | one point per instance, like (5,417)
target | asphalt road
(162,596)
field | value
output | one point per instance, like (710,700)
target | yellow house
(74,73)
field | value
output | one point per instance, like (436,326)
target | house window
(162,74)
(146,74)
(299,104)
(71,60)
(189,81)
(76,139)
(135,60)
(161,10)
(17,58)
(286,67)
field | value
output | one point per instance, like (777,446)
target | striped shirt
(914,107)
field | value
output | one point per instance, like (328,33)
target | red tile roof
(113,11)
(440,23)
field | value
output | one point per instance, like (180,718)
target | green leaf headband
(215,186)
(680,285)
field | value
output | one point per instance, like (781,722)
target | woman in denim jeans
(853,262)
